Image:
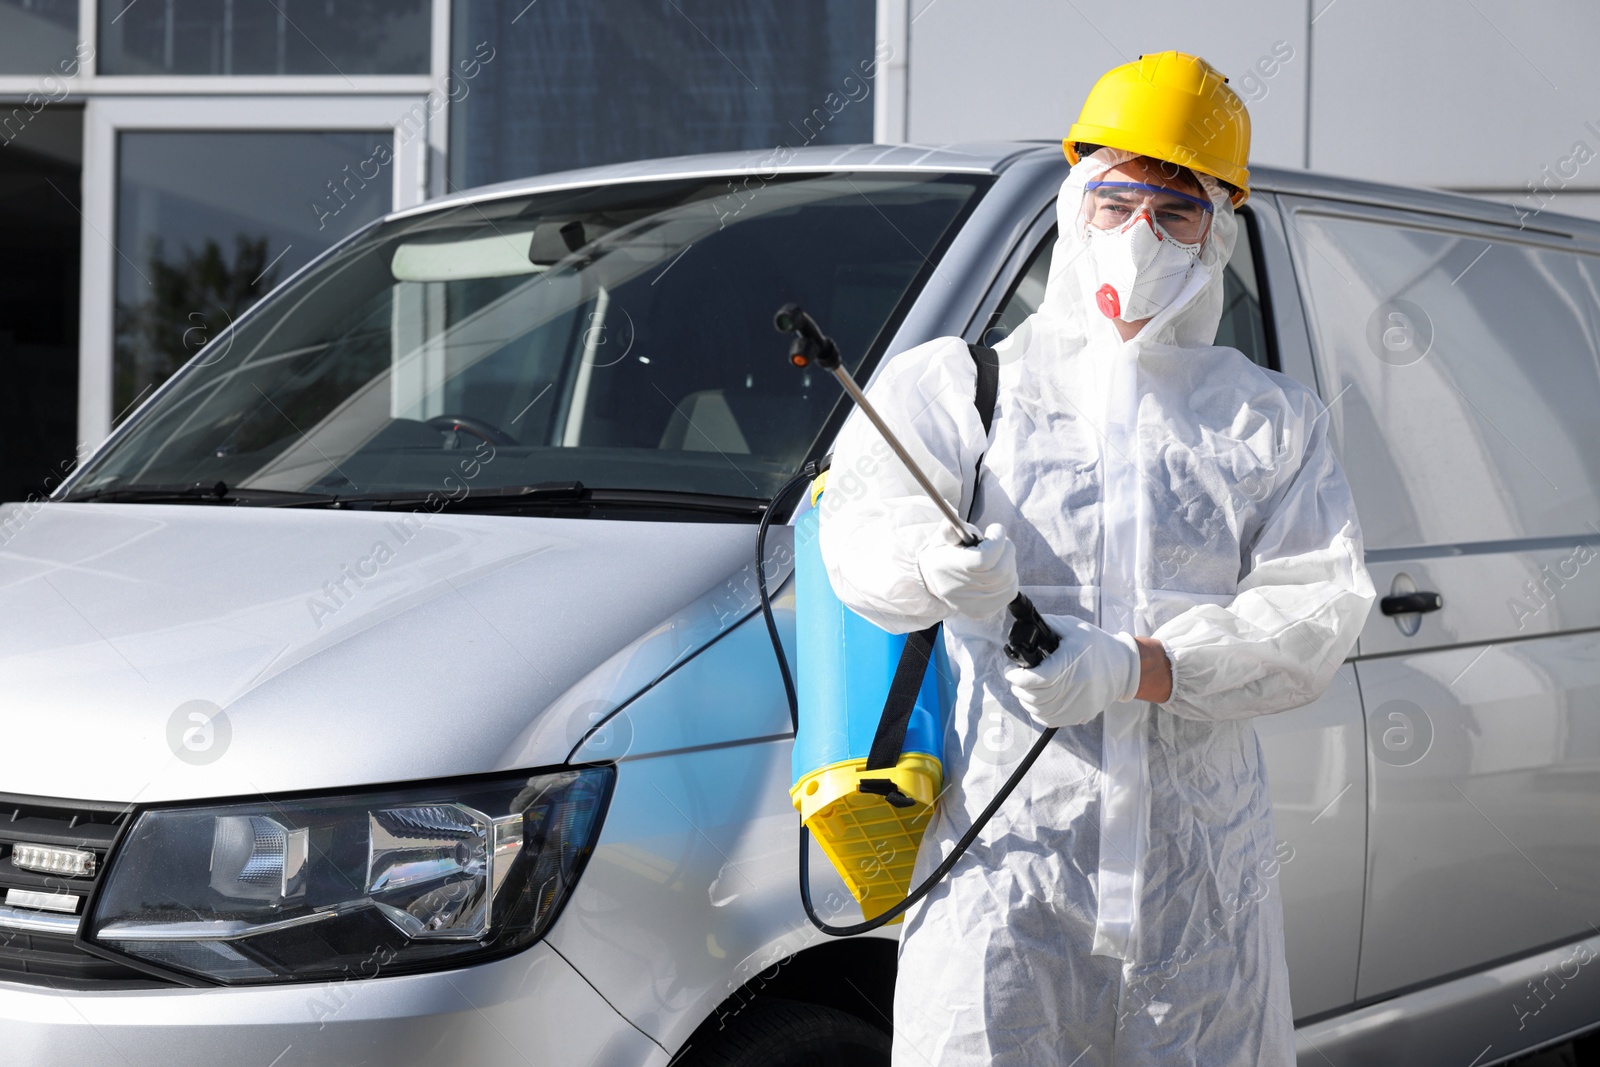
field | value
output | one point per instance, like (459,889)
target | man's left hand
(1082,677)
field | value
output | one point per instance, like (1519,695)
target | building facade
(166,162)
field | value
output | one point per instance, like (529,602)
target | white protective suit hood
(1069,299)
(1121,907)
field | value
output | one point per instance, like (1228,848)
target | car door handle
(1408,603)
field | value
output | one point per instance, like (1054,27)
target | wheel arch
(854,975)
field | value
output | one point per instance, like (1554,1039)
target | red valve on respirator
(1106,298)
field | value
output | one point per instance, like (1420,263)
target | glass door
(196,207)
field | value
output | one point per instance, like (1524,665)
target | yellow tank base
(870,842)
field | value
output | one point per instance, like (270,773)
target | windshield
(617,336)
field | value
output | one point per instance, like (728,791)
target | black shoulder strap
(988,361)
(890,738)
(891,735)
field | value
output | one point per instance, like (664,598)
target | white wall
(1475,95)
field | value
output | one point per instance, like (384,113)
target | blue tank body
(845,667)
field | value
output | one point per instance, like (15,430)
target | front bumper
(529,1009)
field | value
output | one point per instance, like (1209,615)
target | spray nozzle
(810,345)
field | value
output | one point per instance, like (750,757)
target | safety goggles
(1172,214)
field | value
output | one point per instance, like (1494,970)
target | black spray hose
(809,472)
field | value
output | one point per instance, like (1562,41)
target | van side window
(1462,379)
(1242,326)
(1025,296)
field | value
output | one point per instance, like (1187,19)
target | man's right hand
(976,580)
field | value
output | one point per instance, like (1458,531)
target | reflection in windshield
(159,333)
(618,336)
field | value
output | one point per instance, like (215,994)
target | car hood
(340,648)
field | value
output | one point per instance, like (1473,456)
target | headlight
(348,886)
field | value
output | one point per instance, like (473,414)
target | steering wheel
(477,427)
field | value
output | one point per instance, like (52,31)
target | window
(264,37)
(1462,378)
(1243,324)
(1242,327)
(1025,296)
(583,84)
(209,221)
(39,37)
(40,232)
(619,336)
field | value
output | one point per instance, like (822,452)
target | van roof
(995,157)
(965,158)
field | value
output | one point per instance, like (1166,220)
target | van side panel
(1316,755)
(1462,359)
(690,894)
(1317,771)
(1464,1022)
(1485,806)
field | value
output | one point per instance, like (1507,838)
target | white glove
(1080,679)
(978,580)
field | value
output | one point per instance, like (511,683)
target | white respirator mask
(1144,241)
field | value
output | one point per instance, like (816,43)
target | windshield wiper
(193,493)
(438,500)
(543,496)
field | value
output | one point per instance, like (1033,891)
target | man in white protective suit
(1178,515)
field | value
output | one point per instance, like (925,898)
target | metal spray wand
(1030,639)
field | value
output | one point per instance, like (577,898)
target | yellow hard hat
(1170,106)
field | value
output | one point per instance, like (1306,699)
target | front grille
(48,957)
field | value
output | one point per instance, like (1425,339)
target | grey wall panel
(1023,67)
(1456,95)
(1486,97)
